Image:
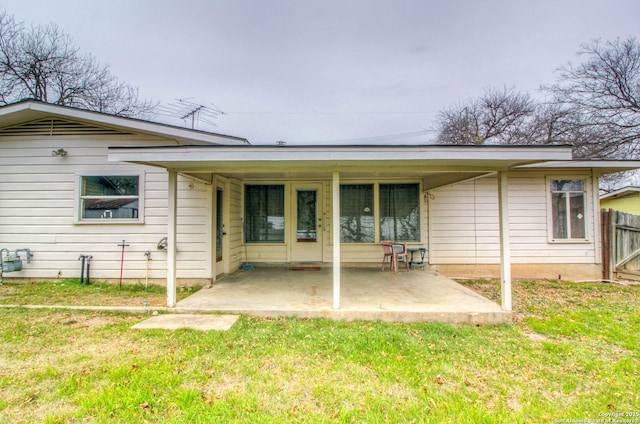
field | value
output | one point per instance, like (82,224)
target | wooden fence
(620,245)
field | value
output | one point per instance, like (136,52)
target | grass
(572,354)
(71,292)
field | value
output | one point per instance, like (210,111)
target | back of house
(75,184)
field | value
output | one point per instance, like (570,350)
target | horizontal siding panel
(528,237)
(487,222)
(554,260)
(19,240)
(17,215)
(554,249)
(43,185)
(533,202)
(88,168)
(83,229)
(446,236)
(191,211)
(451,254)
(535,224)
(42,196)
(37,204)
(469,248)
(540,216)
(271,253)
(192,220)
(455,218)
(37,178)
(156,195)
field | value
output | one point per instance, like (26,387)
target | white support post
(335,231)
(597,225)
(171,238)
(505,249)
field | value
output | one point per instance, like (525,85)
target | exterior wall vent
(58,127)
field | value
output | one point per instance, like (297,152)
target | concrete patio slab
(205,322)
(366,294)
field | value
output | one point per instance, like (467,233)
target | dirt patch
(537,337)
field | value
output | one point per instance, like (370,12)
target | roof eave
(30,110)
(190,157)
(623,192)
(603,166)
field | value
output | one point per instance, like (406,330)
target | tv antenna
(192,112)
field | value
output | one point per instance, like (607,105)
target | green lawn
(573,353)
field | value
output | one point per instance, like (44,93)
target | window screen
(356,213)
(399,212)
(264,213)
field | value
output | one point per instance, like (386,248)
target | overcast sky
(331,71)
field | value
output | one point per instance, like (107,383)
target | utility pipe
(147,255)
(122,261)
(82,257)
(88,267)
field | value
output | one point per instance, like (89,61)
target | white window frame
(78,199)
(586,189)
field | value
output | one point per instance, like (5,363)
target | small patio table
(417,263)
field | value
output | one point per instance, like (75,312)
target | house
(626,199)
(181,203)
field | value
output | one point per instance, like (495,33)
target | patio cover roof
(359,161)
(603,166)
(443,164)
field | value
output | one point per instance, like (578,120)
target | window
(114,198)
(568,209)
(356,213)
(264,213)
(399,212)
(307,230)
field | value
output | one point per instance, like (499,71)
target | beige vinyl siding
(267,252)
(193,228)
(235,233)
(528,209)
(464,223)
(38,195)
(452,224)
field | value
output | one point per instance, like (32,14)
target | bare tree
(42,63)
(497,117)
(603,96)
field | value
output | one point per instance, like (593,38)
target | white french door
(306,235)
